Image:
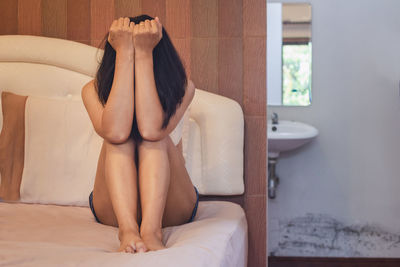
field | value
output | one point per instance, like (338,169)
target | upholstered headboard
(43,66)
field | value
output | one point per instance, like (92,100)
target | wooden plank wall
(223,46)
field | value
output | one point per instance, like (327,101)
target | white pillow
(61,152)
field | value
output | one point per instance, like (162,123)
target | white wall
(340,194)
(274,53)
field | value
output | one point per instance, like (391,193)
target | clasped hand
(125,35)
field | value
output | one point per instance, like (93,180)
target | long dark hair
(169,75)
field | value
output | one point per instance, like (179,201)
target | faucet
(274,118)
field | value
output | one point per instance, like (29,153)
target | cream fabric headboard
(43,66)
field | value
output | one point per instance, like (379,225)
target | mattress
(53,235)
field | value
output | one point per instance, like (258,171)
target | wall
(338,195)
(222,44)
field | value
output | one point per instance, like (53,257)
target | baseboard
(332,262)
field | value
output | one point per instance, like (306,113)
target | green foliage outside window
(296,71)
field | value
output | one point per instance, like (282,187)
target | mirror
(289,54)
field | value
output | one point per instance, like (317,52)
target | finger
(136,29)
(120,22)
(131,26)
(154,26)
(158,23)
(114,23)
(126,22)
(142,27)
(147,25)
(157,19)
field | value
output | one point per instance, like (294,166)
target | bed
(44,214)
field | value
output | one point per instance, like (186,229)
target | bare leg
(154,177)
(167,193)
(115,194)
(181,194)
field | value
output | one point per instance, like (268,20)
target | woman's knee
(128,145)
(160,144)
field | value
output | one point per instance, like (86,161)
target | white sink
(288,135)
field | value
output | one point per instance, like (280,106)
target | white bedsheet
(51,235)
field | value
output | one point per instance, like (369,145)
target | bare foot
(131,242)
(153,239)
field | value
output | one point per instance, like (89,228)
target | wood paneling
(78,20)
(230,68)
(254,18)
(204,18)
(29,17)
(54,18)
(128,8)
(204,63)
(254,106)
(155,8)
(331,262)
(178,18)
(255,155)
(255,207)
(230,18)
(254,76)
(182,45)
(101,17)
(8,17)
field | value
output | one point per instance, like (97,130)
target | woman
(138,97)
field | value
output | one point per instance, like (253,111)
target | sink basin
(288,135)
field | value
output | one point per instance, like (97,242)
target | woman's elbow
(115,133)
(116,137)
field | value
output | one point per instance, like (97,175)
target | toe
(141,247)
(132,246)
(128,249)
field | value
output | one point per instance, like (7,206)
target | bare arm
(117,116)
(149,112)
(114,121)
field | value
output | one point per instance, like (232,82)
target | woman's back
(176,134)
